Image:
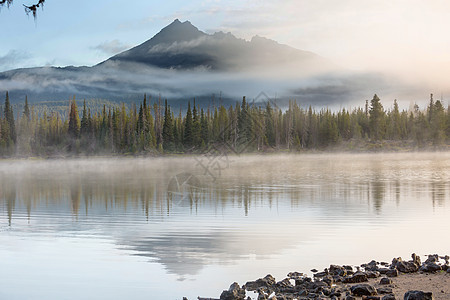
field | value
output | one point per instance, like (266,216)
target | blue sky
(401,35)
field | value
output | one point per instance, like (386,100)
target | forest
(156,128)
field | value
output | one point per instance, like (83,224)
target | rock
(295,275)
(321,274)
(392,273)
(266,282)
(416,259)
(285,283)
(384,290)
(395,261)
(363,289)
(349,297)
(407,267)
(430,267)
(356,278)
(432,259)
(337,270)
(385,280)
(448,270)
(314,270)
(383,270)
(371,266)
(418,295)
(262,296)
(371,298)
(235,292)
(328,280)
(373,274)
(388,297)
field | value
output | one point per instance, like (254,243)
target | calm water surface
(164,228)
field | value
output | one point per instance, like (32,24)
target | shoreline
(400,279)
(336,150)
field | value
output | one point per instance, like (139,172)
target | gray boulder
(235,292)
(418,295)
(363,289)
(385,280)
(430,267)
(356,278)
(406,267)
(392,273)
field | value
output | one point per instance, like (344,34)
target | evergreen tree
(244,124)
(140,122)
(269,126)
(74,122)
(395,123)
(9,117)
(167,129)
(196,128)
(204,128)
(26,109)
(376,119)
(84,121)
(188,124)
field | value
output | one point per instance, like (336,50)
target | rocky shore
(400,279)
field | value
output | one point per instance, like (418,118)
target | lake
(164,228)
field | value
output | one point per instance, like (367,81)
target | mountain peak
(177,31)
(181,45)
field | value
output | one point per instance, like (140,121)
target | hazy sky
(407,35)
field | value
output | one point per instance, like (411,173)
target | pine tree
(84,121)
(196,128)
(167,129)
(74,122)
(269,126)
(204,128)
(395,121)
(26,109)
(244,124)
(9,117)
(376,120)
(188,124)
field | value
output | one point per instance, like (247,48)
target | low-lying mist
(333,89)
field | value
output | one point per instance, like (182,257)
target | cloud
(13,59)
(111,47)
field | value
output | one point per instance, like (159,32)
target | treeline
(157,128)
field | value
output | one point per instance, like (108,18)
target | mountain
(181,62)
(182,46)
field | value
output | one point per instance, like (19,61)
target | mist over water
(237,218)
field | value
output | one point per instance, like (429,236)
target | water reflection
(261,205)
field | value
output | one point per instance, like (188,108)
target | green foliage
(74,120)
(150,128)
(376,120)
(188,128)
